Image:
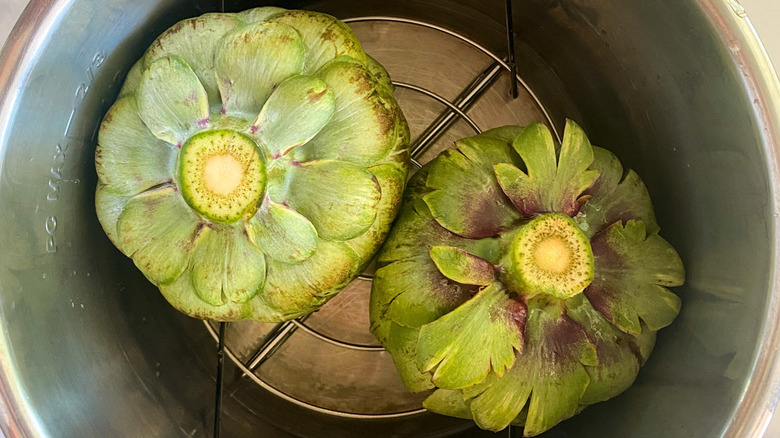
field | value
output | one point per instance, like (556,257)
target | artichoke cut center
(222,174)
(553,255)
(550,255)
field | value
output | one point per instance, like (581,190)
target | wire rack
(456,109)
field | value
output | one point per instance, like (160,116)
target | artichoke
(252,163)
(523,280)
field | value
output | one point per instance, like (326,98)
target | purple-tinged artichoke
(252,163)
(523,280)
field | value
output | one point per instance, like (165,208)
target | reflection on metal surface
(737,8)
(301,402)
(441,100)
(337,342)
(277,337)
(472,43)
(470,95)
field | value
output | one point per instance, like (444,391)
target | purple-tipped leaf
(632,273)
(462,267)
(614,197)
(620,355)
(548,376)
(414,292)
(466,198)
(549,183)
(481,335)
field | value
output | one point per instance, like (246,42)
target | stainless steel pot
(681,91)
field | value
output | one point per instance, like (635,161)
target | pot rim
(762,392)
(17,59)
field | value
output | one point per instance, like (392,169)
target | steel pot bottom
(90,348)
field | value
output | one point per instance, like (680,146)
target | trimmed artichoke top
(252,163)
(523,280)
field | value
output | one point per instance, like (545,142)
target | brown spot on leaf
(315,97)
(174,30)
(362,82)
(328,35)
(285,38)
(385,117)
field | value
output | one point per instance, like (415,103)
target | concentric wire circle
(454,110)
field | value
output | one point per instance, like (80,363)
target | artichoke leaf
(181,295)
(252,61)
(416,231)
(614,197)
(109,206)
(402,345)
(261,14)
(132,80)
(491,147)
(504,134)
(294,113)
(325,37)
(465,197)
(380,74)
(171,100)
(481,335)
(549,184)
(339,198)
(292,288)
(460,266)
(632,273)
(391,179)
(158,230)
(227,266)
(195,41)
(413,292)
(363,128)
(448,402)
(282,233)
(549,375)
(619,354)
(128,158)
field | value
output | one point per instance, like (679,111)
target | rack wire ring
(302,403)
(459,112)
(470,42)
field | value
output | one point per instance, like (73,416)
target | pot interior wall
(97,351)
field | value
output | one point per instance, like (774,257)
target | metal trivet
(455,110)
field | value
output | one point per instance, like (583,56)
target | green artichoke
(523,280)
(252,163)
